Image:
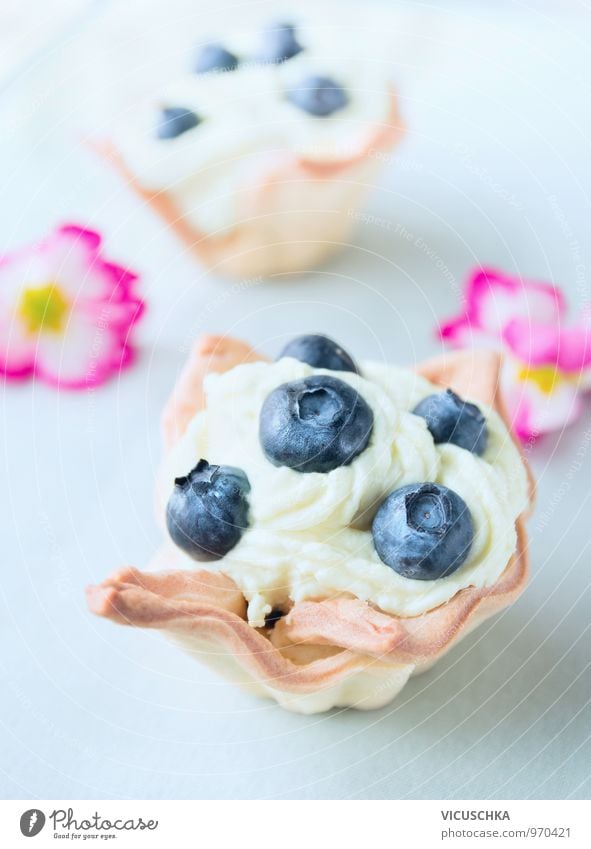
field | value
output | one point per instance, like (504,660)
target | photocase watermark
(575,247)
(416,241)
(403,163)
(55,556)
(102,325)
(574,468)
(32,821)
(13,123)
(72,827)
(50,729)
(466,157)
(212,306)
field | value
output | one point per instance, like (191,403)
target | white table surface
(496,169)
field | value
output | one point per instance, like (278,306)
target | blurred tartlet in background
(259,154)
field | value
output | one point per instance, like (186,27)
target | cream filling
(248,126)
(309,534)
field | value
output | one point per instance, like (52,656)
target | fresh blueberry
(450,419)
(319,96)
(173,121)
(215,57)
(272,618)
(320,352)
(314,425)
(208,510)
(279,44)
(423,531)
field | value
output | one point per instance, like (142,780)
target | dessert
(258,156)
(331,531)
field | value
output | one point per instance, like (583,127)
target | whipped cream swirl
(309,534)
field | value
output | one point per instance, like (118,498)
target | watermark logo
(65,825)
(32,822)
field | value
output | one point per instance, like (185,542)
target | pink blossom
(546,359)
(66,313)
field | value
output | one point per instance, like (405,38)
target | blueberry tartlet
(262,149)
(333,527)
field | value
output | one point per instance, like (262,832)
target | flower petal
(86,355)
(567,348)
(492,299)
(17,349)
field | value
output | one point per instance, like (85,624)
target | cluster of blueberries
(315,94)
(423,530)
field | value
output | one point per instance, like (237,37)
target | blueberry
(279,44)
(215,57)
(174,121)
(314,425)
(320,96)
(423,531)
(208,510)
(450,419)
(272,618)
(319,352)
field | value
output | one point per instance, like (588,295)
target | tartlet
(259,162)
(301,608)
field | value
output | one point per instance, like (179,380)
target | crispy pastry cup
(292,217)
(338,652)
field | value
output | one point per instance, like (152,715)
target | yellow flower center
(43,309)
(547,378)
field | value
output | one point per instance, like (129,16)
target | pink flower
(547,361)
(66,314)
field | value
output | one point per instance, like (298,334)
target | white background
(496,169)
(417,823)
